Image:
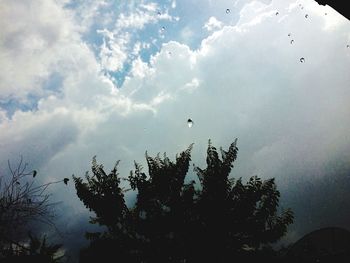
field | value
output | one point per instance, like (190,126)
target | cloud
(29,45)
(113,55)
(38,137)
(212,24)
(244,80)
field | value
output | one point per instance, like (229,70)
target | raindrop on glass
(302,7)
(189,123)
(228,11)
(325,14)
(302,60)
(306,16)
(162,29)
(289,34)
(277,13)
(348,46)
(159,13)
(292,41)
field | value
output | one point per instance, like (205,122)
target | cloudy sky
(116,78)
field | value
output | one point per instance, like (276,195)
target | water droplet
(292,41)
(159,13)
(228,11)
(277,13)
(348,46)
(325,14)
(302,7)
(302,60)
(162,29)
(306,16)
(189,123)
(289,34)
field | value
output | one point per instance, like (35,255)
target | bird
(34,173)
(65,180)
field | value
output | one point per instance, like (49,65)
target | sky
(117,78)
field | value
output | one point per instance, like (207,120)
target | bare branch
(21,202)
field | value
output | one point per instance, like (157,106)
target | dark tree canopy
(174,221)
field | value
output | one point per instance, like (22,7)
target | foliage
(174,221)
(102,194)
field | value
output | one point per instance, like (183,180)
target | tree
(174,221)
(21,203)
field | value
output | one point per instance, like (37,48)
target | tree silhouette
(22,202)
(174,221)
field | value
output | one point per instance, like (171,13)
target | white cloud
(120,44)
(113,55)
(192,85)
(139,68)
(151,7)
(137,48)
(31,35)
(141,16)
(213,24)
(88,13)
(135,20)
(251,74)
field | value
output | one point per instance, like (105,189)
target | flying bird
(34,173)
(65,180)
